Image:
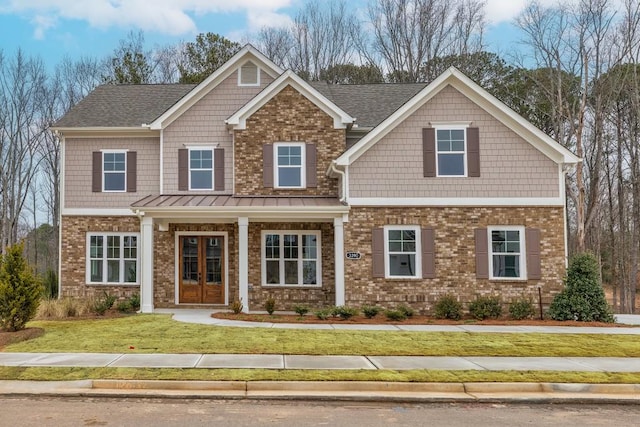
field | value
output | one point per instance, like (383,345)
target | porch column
(146,270)
(243,261)
(338,240)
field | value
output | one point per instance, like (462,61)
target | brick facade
(455,255)
(288,117)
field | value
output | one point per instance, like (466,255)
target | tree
(129,63)
(352,74)
(276,44)
(20,291)
(202,57)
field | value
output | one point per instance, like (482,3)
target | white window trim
(257,83)
(111,172)
(418,266)
(104,236)
(303,164)
(213,163)
(263,259)
(453,126)
(523,252)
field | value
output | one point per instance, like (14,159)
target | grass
(160,334)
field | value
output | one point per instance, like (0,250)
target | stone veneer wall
(288,117)
(74,254)
(287,297)
(164,243)
(455,255)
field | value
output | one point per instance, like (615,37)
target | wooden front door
(201,279)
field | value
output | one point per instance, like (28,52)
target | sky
(55,28)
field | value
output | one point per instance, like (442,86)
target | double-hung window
(112,258)
(402,251)
(201,169)
(506,250)
(291,258)
(289,165)
(451,156)
(114,170)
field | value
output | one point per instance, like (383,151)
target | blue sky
(55,28)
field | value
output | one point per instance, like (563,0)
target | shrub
(237,306)
(448,307)
(103,303)
(408,311)
(70,307)
(582,298)
(20,290)
(370,311)
(270,305)
(301,310)
(486,308)
(124,306)
(134,302)
(521,309)
(395,314)
(50,283)
(324,314)
(345,312)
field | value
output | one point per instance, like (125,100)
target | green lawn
(160,334)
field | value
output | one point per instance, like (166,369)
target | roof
(123,105)
(452,77)
(370,104)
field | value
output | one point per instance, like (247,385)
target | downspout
(343,180)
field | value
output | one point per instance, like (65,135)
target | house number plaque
(353,255)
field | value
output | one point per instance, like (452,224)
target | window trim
(104,236)
(523,251)
(418,251)
(257,83)
(465,153)
(213,165)
(303,165)
(300,233)
(104,171)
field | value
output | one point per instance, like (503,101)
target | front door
(201,270)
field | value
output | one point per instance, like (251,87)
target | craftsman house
(257,184)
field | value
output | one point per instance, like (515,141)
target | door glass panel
(190,260)
(213,256)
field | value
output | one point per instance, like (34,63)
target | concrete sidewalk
(282,361)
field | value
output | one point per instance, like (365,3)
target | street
(37,411)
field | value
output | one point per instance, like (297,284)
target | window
(114,171)
(291,258)
(289,165)
(402,251)
(451,152)
(506,250)
(201,169)
(249,75)
(112,258)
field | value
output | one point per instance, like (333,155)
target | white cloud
(163,16)
(498,11)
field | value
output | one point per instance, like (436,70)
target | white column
(338,240)
(146,270)
(243,261)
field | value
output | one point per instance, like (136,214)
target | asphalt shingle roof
(123,105)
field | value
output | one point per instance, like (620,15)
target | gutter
(343,179)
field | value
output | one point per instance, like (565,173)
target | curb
(332,391)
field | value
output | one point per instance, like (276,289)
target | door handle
(200,278)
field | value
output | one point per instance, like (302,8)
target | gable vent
(249,74)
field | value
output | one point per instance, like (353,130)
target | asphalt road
(36,411)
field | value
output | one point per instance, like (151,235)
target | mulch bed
(380,319)
(7,338)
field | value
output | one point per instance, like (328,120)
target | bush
(20,290)
(582,298)
(270,305)
(370,311)
(395,315)
(103,303)
(486,308)
(324,314)
(237,306)
(521,309)
(124,306)
(408,311)
(301,310)
(448,307)
(345,312)
(134,302)
(50,284)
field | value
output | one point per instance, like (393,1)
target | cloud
(173,17)
(498,11)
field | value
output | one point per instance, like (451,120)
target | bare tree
(276,44)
